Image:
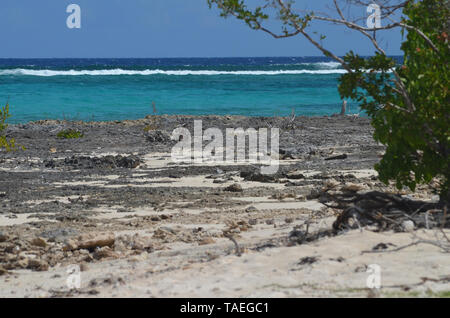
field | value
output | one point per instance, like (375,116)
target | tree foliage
(415,127)
(8,145)
(409,103)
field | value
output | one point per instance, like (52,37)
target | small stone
(37,265)
(39,242)
(90,241)
(408,226)
(352,187)
(270,221)
(295,175)
(104,252)
(207,241)
(3,271)
(251,209)
(70,245)
(234,188)
(23,263)
(330,184)
(289,220)
(314,194)
(3,237)
(253,221)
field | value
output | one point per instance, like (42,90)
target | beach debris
(165,233)
(314,194)
(236,245)
(84,162)
(207,241)
(158,136)
(3,237)
(352,187)
(382,246)
(134,242)
(39,242)
(37,265)
(308,260)
(330,184)
(408,226)
(287,154)
(295,175)
(340,157)
(90,241)
(257,176)
(251,209)
(234,188)
(3,271)
(289,220)
(385,210)
(104,252)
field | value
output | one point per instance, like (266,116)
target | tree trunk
(344,108)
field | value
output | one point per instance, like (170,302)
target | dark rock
(234,188)
(83,162)
(251,209)
(158,136)
(3,237)
(308,260)
(257,177)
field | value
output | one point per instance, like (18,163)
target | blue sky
(156,28)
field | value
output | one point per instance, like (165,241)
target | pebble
(251,209)
(3,237)
(207,241)
(234,188)
(408,226)
(39,242)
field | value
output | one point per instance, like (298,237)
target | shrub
(9,145)
(70,134)
(154,123)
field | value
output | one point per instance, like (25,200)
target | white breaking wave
(329,64)
(113,72)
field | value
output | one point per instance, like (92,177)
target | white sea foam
(113,72)
(331,65)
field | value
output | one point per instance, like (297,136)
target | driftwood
(387,211)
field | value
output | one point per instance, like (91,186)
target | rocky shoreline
(114,199)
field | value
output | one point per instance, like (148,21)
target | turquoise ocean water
(117,89)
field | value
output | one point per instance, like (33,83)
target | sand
(169,222)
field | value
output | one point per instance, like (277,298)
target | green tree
(8,145)
(409,103)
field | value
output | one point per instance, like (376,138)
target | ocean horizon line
(179,57)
